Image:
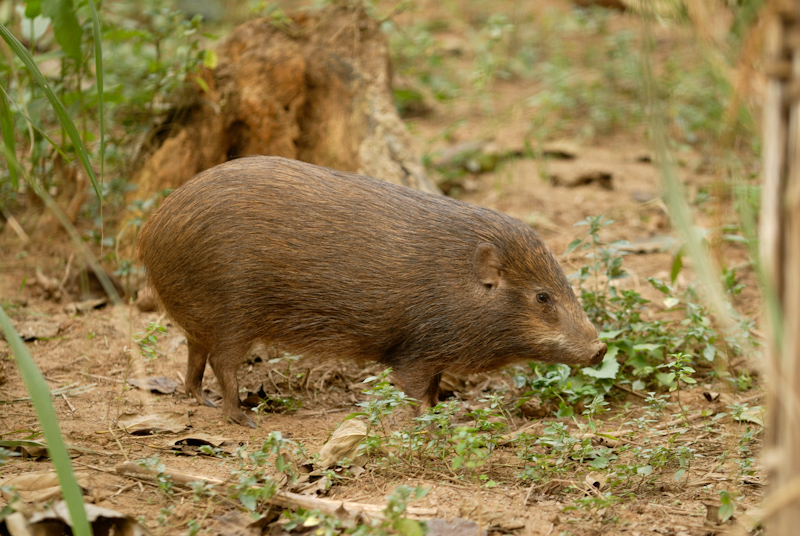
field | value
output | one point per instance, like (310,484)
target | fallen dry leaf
(34,450)
(312,484)
(652,244)
(55,521)
(37,328)
(753,415)
(190,444)
(239,524)
(583,177)
(38,487)
(595,481)
(169,421)
(157,384)
(563,149)
(343,443)
(85,306)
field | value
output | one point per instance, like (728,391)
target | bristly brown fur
(337,265)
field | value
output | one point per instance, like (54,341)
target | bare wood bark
(283,499)
(780,246)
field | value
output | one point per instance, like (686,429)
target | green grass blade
(23,54)
(35,127)
(675,196)
(98,68)
(7,131)
(43,405)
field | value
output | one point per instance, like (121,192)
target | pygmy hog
(328,263)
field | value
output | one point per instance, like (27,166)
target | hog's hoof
(240,418)
(204,400)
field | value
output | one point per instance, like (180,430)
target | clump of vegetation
(148,340)
(639,349)
(452,440)
(148,56)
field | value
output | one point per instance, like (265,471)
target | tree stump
(315,88)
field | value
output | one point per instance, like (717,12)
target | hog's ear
(487,265)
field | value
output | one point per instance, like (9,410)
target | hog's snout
(601,352)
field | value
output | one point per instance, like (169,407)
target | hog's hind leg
(225,361)
(198,355)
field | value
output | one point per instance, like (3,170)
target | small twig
(123,489)
(67,269)
(68,389)
(104,378)
(71,407)
(17,228)
(65,366)
(118,442)
(528,495)
(321,382)
(629,390)
(277,389)
(679,511)
(309,413)
(696,416)
(460,488)
(96,468)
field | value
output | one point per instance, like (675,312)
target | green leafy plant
(681,372)
(148,340)
(727,507)
(639,349)
(254,485)
(384,399)
(163,480)
(66,34)
(396,505)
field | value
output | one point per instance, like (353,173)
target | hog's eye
(543,297)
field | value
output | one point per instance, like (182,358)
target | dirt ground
(85,356)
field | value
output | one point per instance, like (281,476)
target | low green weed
(163,480)
(276,404)
(727,505)
(148,341)
(384,399)
(9,507)
(745,452)
(253,483)
(433,440)
(639,350)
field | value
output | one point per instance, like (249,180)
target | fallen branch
(283,499)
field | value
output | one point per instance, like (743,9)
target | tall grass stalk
(675,196)
(46,414)
(61,112)
(98,73)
